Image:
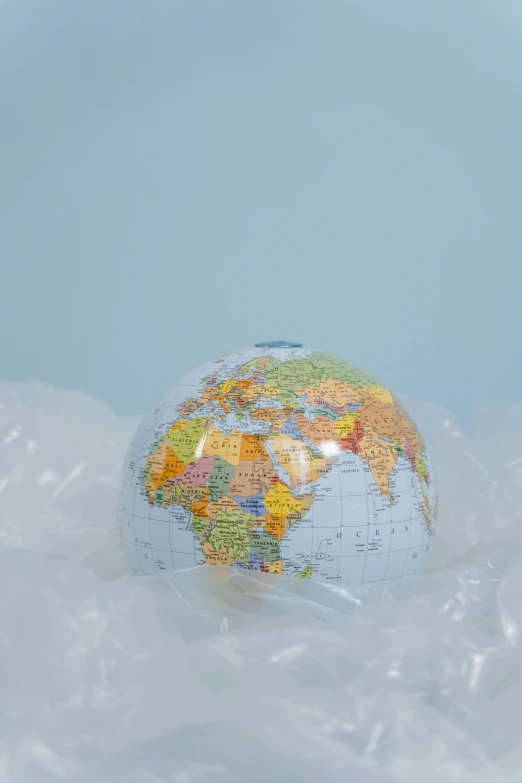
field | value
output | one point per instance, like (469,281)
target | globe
(279,459)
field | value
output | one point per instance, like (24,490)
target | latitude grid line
(312,525)
(180,552)
(327,497)
(325,528)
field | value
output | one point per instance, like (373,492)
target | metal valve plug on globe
(284,460)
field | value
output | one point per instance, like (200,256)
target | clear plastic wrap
(211,674)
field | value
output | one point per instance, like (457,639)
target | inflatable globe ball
(279,459)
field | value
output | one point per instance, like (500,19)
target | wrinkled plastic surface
(218,675)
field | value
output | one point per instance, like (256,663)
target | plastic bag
(215,674)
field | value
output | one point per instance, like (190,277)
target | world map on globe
(284,460)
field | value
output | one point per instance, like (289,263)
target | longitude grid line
(391,523)
(411,518)
(191,513)
(156,432)
(126,468)
(181,396)
(410,477)
(336,464)
(312,537)
(166,405)
(367,522)
(277,352)
(400,522)
(422,544)
(170,538)
(410,490)
(151,550)
(138,563)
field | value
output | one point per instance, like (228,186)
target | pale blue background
(182,178)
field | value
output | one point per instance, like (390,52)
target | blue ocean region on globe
(284,460)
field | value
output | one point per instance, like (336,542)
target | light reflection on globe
(284,460)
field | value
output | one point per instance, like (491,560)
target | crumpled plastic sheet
(220,675)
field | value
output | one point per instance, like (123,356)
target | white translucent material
(218,675)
